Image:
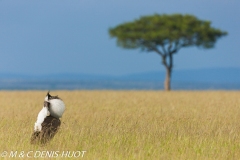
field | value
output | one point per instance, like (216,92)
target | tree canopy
(166,35)
(149,32)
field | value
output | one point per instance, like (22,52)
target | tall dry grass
(129,124)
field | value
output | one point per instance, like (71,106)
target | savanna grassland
(128,124)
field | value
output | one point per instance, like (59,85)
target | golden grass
(129,124)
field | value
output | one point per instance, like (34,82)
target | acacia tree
(166,35)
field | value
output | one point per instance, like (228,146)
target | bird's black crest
(52,97)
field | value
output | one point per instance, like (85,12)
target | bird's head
(55,105)
(49,97)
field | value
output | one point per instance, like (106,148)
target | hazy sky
(59,36)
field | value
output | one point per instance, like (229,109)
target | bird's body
(41,116)
(48,121)
(49,128)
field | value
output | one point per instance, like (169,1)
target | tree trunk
(167,83)
(167,61)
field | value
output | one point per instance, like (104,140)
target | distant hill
(218,78)
(219,75)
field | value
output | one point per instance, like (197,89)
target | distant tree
(166,35)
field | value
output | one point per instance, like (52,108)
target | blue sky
(61,36)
